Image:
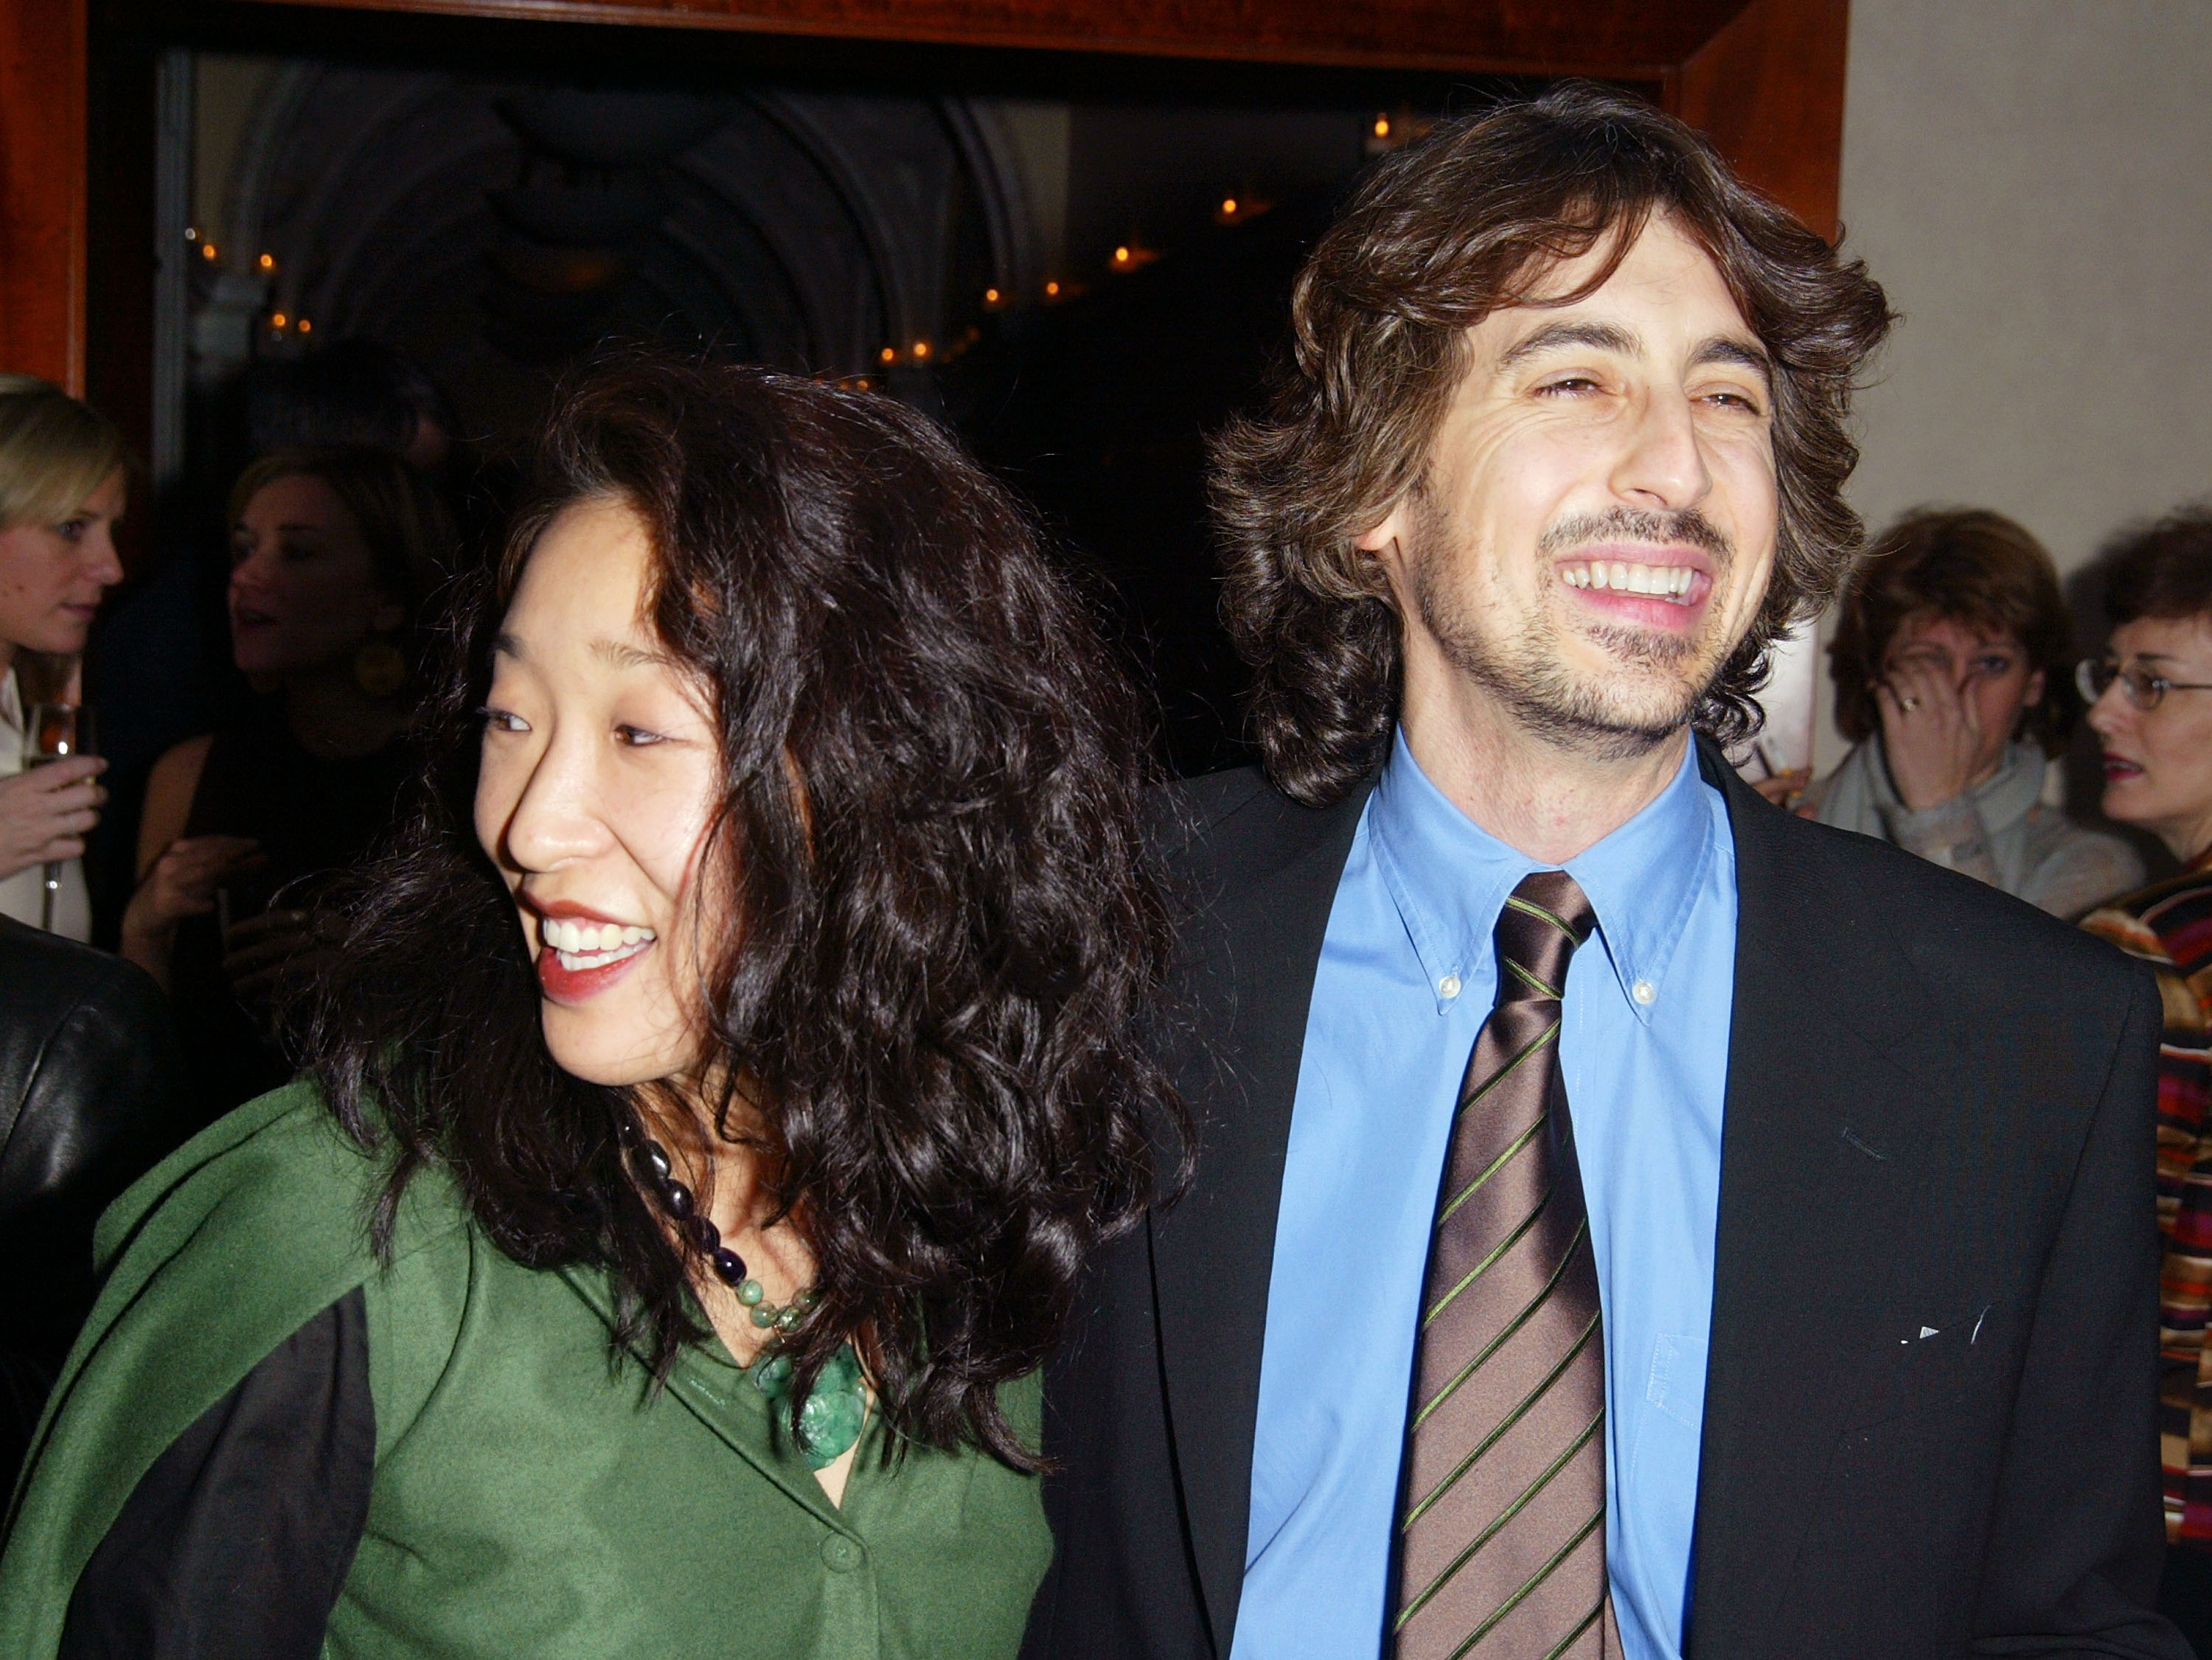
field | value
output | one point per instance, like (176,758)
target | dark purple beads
(656,1172)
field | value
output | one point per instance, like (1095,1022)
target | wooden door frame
(1765,78)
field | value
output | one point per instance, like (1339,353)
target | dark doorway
(1080,265)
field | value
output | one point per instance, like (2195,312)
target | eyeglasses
(2144,689)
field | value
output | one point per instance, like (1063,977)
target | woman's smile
(598,776)
(583,951)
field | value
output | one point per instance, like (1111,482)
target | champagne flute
(55,731)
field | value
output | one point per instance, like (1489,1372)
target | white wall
(2031,180)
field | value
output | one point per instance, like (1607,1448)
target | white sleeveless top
(20,893)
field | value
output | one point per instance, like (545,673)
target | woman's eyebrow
(624,655)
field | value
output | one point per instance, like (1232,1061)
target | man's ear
(1385,546)
(1386,540)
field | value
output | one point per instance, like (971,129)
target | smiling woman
(334,554)
(737,1059)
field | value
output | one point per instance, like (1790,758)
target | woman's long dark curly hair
(945,936)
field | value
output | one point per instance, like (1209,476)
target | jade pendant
(831,1421)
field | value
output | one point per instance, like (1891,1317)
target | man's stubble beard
(1613,719)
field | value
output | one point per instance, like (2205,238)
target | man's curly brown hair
(1444,233)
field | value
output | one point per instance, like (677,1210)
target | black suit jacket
(1929,1424)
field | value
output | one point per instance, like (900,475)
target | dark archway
(496,229)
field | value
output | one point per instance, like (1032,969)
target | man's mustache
(1687,526)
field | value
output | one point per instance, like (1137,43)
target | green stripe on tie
(1536,1047)
(1496,1251)
(1533,981)
(1496,1435)
(1496,1164)
(1528,1494)
(1535,1579)
(1528,909)
(1511,1326)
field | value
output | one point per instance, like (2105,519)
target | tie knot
(1545,918)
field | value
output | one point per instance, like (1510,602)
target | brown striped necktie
(1501,1546)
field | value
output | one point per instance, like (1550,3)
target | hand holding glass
(53,732)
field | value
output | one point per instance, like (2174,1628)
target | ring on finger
(1908,704)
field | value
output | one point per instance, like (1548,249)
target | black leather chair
(91,1096)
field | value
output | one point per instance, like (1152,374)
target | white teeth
(574,939)
(573,960)
(1617,576)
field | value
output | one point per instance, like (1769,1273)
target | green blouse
(533,1494)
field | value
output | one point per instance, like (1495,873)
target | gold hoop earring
(378,667)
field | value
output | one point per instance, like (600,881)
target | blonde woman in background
(62,487)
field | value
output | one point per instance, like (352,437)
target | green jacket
(532,1496)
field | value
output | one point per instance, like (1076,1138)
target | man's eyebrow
(1725,349)
(1557,336)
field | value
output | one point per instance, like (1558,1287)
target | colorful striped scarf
(2168,925)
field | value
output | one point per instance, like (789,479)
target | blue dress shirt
(1407,975)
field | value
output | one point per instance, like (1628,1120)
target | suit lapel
(1264,887)
(1820,1159)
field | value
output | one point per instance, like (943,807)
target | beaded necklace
(837,1406)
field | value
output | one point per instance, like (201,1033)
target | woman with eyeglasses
(1950,664)
(2151,706)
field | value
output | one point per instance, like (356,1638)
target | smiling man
(1630,1219)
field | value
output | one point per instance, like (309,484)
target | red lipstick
(573,986)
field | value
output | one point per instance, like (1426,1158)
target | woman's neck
(332,717)
(730,1175)
(2189,843)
